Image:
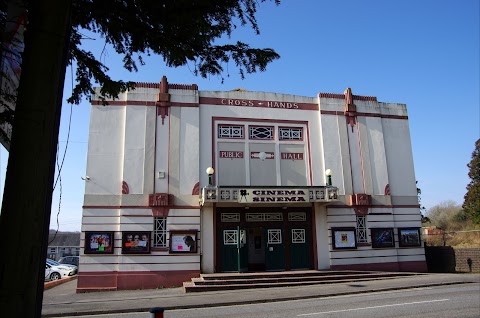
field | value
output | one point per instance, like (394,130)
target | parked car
(55,263)
(71,260)
(56,272)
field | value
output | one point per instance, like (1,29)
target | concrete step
(255,275)
(218,282)
(266,280)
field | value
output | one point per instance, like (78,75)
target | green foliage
(460,217)
(471,203)
(181,31)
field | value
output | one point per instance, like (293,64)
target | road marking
(363,308)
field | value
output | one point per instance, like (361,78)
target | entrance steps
(232,281)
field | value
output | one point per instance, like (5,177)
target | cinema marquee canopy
(268,195)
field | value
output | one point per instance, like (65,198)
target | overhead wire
(59,167)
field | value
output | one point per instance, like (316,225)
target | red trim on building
(387,189)
(123,103)
(192,87)
(137,207)
(196,189)
(253,103)
(147,85)
(160,212)
(170,86)
(131,280)
(177,104)
(341,113)
(314,238)
(409,206)
(342,96)
(125,188)
(413,266)
(307,128)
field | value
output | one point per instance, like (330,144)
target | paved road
(430,302)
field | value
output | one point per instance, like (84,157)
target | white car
(56,271)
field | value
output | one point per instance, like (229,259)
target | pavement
(62,300)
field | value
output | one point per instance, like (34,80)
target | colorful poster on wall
(183,241)
(98,243)
(409,237)
(382,237)
(344,238)
(134,242)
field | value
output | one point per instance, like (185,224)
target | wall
(447,259)
(462,257)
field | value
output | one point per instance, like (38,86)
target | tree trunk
(25,217)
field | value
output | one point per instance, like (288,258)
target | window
(297,216)
(230,131)
(362,229)
(160,232)
(298,236)
(260,217)
(274,236)
(261,132)
(230,237)
(230,217)
(290,133)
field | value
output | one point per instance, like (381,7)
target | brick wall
(466,256)
(446,259)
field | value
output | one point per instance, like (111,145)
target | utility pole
(26,207)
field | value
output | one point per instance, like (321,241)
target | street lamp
(210,172)
(328,173)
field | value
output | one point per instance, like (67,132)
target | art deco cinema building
(183,182)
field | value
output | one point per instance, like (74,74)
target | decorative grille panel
(274,236)
(362,229)
(160,232)
(298,235)
(261,217)
(320,194)
(230,237)
(291,133)
(230,131)
(297,216)
(230,217)
(225,194)
(257,132)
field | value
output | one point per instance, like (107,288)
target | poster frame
(128,248)
(88,247)
(350,231)
(177,235)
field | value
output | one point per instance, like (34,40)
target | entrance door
(256,249)
(275,250)
(299,249)
(234,251)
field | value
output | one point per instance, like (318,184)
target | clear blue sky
(421,53)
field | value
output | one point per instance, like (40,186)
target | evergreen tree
(471,204)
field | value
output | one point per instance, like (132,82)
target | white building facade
(294,182)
